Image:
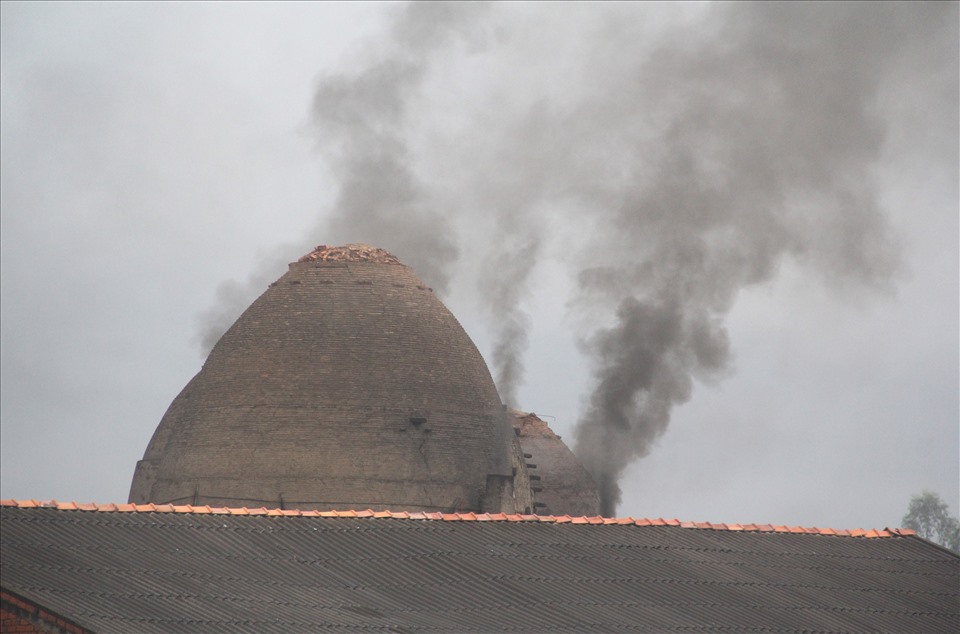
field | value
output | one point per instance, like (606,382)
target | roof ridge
(449,517)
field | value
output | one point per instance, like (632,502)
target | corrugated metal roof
(123,568)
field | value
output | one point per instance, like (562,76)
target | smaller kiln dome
(347,384)
(563,486)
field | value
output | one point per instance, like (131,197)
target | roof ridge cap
(450,517)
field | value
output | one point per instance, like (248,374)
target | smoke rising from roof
(686,161)
(767,133)
(503,282)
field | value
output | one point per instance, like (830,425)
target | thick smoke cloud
(766,151)
(681,156)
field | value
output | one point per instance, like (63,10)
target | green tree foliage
(930,517)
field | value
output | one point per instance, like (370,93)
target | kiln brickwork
(20,616)
(561,485)
(347,384)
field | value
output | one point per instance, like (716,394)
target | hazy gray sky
(777,187)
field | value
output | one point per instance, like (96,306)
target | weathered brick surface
(563,486)
(345,385)
(19,616)
(12,622)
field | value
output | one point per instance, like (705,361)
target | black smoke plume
(671,155)
(503,280)
(767,130)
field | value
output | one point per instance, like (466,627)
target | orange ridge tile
(448,517)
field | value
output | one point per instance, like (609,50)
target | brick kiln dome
(347,384)
(560,484)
